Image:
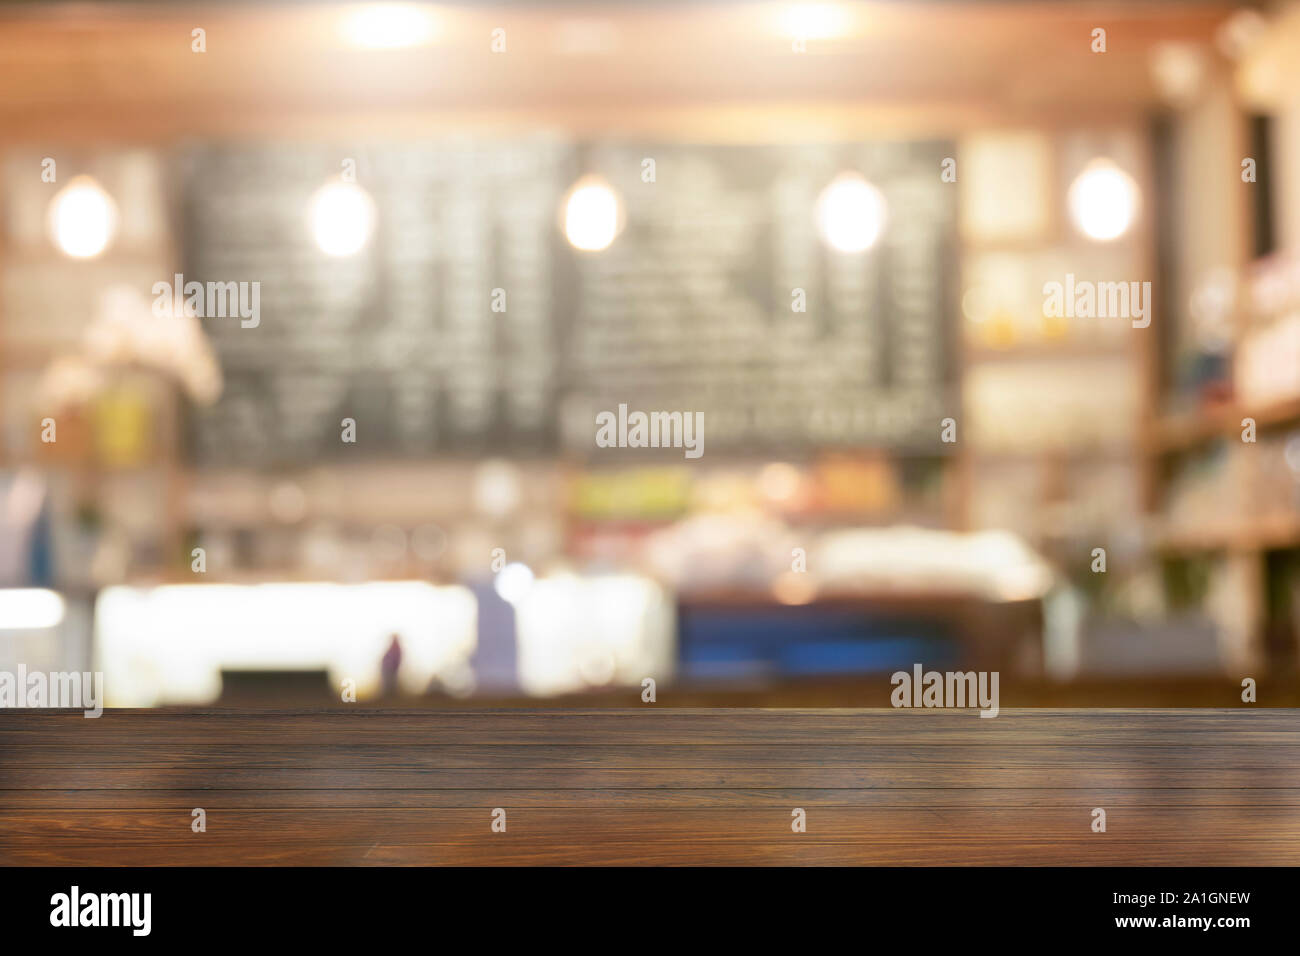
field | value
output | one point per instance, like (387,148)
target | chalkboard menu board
(689,310)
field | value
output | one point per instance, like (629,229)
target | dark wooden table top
(651,786)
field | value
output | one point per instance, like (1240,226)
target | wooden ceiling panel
(98,68)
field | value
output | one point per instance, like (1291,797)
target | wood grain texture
(651,786)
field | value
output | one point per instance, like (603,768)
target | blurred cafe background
(433,243)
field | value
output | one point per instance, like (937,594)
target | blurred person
(389,665)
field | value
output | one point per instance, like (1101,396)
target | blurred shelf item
(878,627)
(1007,189)
(1265,368)
(1051,404)
(1232,495)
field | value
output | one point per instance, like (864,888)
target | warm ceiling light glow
(850,213)
(24,609)
(1103,200)
(388,26)
(342,218)
(592,216)
(83,218)
(1179,71)
(1240,32)
(814,21)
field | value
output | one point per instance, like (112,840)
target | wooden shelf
(1067,350)
(1246,536)
(1181,432)
(1082,454)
